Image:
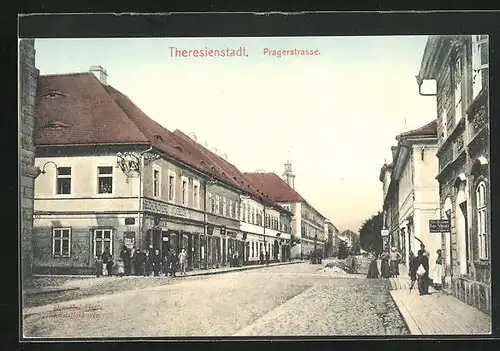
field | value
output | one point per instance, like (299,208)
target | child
(98,266)
(120,266)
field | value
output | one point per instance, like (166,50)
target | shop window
(103,240)
(105,180)
(481,220)
(61,242)
(63,180)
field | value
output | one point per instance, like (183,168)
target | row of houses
(441,170)
(111,176)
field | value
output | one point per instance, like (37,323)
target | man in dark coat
(172,263)
(423,279)
(125,256)
(156,261)
(261,257)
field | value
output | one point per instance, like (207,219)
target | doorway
(165,245)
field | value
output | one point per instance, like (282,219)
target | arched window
(481,220)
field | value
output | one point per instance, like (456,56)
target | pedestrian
(156,263)
(133,256)
(148,263)
(437,278)
(395,257)
(412,268)
(140,261)
(107,259)
(267,257)
(98,266)
(183,261)
(384,266)
(125,257)
(373,269)
(261,257)
(423,272)
(120,267)
(173,263)
(237,259)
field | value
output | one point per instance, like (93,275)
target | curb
(239,269)
(48,291)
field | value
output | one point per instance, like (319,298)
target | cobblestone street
(298,299)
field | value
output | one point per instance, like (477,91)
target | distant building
(413,174)
(460,67)
(307,222)
(332,238)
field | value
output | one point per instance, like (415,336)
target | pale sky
(334,115)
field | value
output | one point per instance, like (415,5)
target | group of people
(418,268)
(141,263)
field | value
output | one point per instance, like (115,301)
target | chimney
(100,74)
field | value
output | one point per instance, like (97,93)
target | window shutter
(477,79)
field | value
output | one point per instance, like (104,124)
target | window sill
(61,256)
(484,263)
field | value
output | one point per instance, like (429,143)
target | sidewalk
(437,313)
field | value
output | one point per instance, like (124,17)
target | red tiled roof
(76,109)
(430,129)
(230,172)
(276,187)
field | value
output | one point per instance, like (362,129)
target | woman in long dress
(373,269)
(384,266)
(437,279)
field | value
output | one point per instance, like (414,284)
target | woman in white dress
(437,279)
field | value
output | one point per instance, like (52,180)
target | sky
(334,115)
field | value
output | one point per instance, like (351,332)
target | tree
(343,250)
(370,235)
(355,245)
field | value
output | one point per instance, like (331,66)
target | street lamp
(42,171)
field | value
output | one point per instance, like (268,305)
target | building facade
(459,65)
(331,235)
(414,168)
(307,225)
(28,76)
(390,192)
(129,182)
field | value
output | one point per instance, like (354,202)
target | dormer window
(178,147)
(53,94)
(202,162)
(56,125)
(158,137)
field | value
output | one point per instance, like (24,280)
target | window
(171,186)
(184,190)
(217,204)
(196,194)
(63,180)
(244,211)
(253,215)
(156,182)
(231,208)
(105,180)
(61,242)
(213,205)
(253,249)
(224,207)
(444,126)
(458,89)
(481,220)
(267,221)
(103,240)
(480,62)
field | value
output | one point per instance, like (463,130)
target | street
(291,300)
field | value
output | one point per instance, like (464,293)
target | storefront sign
(171,210)
(439,225)
(384,232)
(165,238)
(129,221)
